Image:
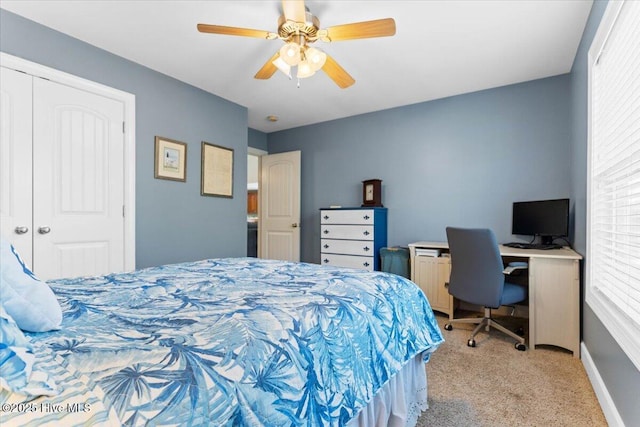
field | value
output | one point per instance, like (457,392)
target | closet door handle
(44,230)
(21,230)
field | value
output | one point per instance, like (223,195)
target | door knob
(44,230)
(294,225)
(21,230)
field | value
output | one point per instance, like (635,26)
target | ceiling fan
(298,28)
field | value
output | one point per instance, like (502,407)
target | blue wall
(619,374)
(258,139)
(173,222)
(457,161)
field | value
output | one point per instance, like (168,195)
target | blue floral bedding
(234,342)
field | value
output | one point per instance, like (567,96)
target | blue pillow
(17,372)
(29,301)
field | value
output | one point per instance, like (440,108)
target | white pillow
(30,301)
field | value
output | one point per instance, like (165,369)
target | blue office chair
(477,278)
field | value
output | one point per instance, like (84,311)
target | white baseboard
(606,402)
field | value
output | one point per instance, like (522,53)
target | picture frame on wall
(170,159)
(216,171)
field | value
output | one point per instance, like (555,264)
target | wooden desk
(554,290)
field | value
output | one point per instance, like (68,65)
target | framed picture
(170,159)
(217,171)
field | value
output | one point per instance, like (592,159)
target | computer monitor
(545,218)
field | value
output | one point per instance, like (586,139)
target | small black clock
(372,193)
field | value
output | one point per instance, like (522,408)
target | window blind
(614,178)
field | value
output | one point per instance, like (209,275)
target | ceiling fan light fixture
(316,58)
(305,69)
(282,66)
(290,53)
(298,28)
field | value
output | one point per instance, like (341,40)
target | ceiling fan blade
(337,73)
(236,31)
(362,30)
(294,10)
(268,68)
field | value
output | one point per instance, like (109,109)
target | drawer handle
(366,249)
(326,217)
(366,233)
(326,260)
(326,246)
(366,264)
(366,217)
(326,231)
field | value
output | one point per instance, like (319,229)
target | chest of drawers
(352,237)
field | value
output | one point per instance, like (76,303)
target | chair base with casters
(487,322)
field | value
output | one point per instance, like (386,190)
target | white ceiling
(441,48)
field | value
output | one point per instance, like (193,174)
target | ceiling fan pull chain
(298,83)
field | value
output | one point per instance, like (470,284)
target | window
(613,180)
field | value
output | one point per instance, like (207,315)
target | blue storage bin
(396,260)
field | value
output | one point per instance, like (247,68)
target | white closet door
(78,188)
(15,161)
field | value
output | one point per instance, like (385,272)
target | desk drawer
(356,216)
(351,261)
(347,247)
(349,232)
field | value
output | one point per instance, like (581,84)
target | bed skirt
(401,400)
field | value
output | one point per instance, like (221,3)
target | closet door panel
(15,161)
(78,185)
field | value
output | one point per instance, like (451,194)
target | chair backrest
(476,266)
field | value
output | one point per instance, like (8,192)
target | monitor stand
(546,240)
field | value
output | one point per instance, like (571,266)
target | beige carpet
(494,384)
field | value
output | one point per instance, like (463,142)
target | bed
(229,342)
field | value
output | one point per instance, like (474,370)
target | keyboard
(540,246)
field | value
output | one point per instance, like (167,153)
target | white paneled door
(77,226)
(280,206)
(78,190)
(15,160)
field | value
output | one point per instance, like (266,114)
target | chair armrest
(515,266)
